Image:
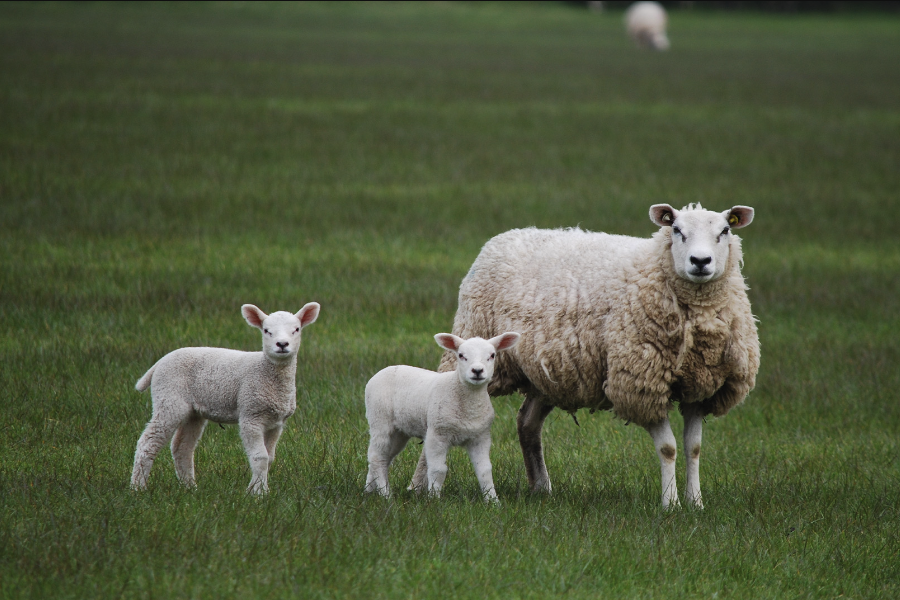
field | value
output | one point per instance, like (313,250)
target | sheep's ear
(308,314)
(663,215)
(739,216)
(253,315)
(505,341)
(448,341)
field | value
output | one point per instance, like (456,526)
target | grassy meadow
(162,164)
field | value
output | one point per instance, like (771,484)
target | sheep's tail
(144,382)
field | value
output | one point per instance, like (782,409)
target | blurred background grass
(161,164)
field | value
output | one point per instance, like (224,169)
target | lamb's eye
(296,330)
(266,331)
(492,356)
(676,231)
(461,357)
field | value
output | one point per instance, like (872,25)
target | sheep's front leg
(271,440)
(480,455)
(436,454)
(530,422)
(254,445)
(693,433)
(664,440)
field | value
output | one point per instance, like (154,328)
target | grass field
(160,165)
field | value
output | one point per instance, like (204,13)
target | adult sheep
(612,322)
(646,24)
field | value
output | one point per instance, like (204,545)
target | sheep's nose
(282,345)
(477,372)
(701,262)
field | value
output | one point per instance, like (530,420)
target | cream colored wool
(607,323)
(646,24)
(256,390)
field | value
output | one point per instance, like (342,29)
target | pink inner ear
(446,341)
(252,316)
(309,315)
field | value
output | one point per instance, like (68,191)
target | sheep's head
(475,356)
(281,330)
(701,239)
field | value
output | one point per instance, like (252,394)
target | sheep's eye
(492,356)
(461,357)
(296,330)
(265,331)
(676,231)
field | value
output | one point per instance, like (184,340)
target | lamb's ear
(739,216)
(308,314)
(253,315)
(505,341)
(448,341)
(663,215)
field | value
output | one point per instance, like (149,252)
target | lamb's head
(701,239)
(281,330)
(475,356)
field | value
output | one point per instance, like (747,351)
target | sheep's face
(475,357)
(281,330)
(701,239)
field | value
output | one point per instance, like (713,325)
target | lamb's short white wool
(443,409)
(256,390)
(612,322)
(646,24)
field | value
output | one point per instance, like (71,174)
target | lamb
(444,409)
(256,390)
(646,24)
(619,323)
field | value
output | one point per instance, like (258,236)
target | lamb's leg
(420,478)
(529,422)
(664,440)
(184,442)
(159,431)
(271,440)
(254,445)
(693,433)
(436,451)
(480,455)
(383,448)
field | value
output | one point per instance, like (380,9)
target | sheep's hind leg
(693,434)
(530,422)
(184,442)
(383,448)
(664,441)
(420,478)
(156,435)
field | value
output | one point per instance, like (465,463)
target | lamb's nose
(477,372)
(701,262)
(282,345)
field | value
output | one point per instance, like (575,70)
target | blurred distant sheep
(646,24)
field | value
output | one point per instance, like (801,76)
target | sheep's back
(555,288)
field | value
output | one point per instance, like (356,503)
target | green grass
(160,165)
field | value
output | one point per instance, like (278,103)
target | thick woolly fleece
(646,23)
(256,390)
(607,324)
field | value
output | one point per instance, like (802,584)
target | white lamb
(256,390)
(443,409)
(619,323)
(646,24)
